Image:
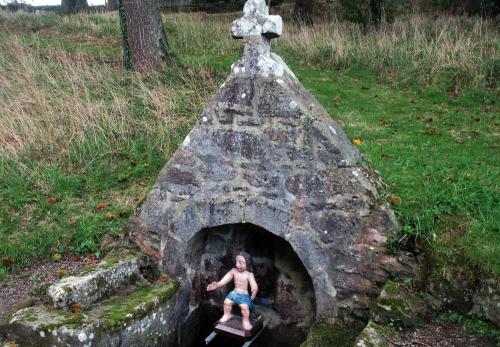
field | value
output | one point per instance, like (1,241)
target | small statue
(239,296)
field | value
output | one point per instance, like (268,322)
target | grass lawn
(82,140)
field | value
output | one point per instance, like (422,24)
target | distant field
(82,140)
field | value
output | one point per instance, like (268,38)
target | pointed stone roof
(265,152)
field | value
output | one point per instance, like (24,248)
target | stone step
(141,316)
(95,283)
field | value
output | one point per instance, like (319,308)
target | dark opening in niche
(286,295)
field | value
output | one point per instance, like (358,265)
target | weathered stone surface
(265,153)
(144,317)
(323,334)
(453,288)
(256,22)
(487,301)
(397,305)
(107,277)
(373,335)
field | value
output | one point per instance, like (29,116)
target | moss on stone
(47,319)
(392,288)
(115,258)
(398,305)
(374,335)
(119,310)
(393,297)
(101,283)
(24,303)
(108,262)
(323,334)
(70,320)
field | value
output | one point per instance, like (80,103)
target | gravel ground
(442,335)
(19,285)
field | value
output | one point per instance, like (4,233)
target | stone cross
(257,28)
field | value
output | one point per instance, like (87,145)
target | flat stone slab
(144,317)
(94,284)
(373,335)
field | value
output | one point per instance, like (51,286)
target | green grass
(78,132)
(439,154)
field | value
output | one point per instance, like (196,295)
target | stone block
(93,284)
(399,306)
(373,335)
(143,317)
(487,301)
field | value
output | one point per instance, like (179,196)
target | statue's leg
(228,307)
(245,313)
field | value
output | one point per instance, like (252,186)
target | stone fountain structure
(265,169)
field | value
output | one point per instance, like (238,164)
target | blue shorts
(239,298)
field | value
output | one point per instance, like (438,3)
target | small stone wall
(134,312)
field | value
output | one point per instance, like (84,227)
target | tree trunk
(376,13)
(145,45)
(73,6)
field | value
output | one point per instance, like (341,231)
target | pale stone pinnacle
(257,21)
(257,28)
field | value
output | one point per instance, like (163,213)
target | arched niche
(286,292)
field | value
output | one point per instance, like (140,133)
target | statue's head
(243,261)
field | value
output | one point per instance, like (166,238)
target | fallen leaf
(52,200)
(395,200)
(357,141)
(163,278)
(122,214)
(384,122)
(8,262)
(76,308)
(109,216)
(10,344)
(101,206)
(62,273)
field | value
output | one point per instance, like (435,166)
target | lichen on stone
(323,334)
(374,335)
(399,306)
(44,319)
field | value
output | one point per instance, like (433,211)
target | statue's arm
(225,280)
(253,285)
